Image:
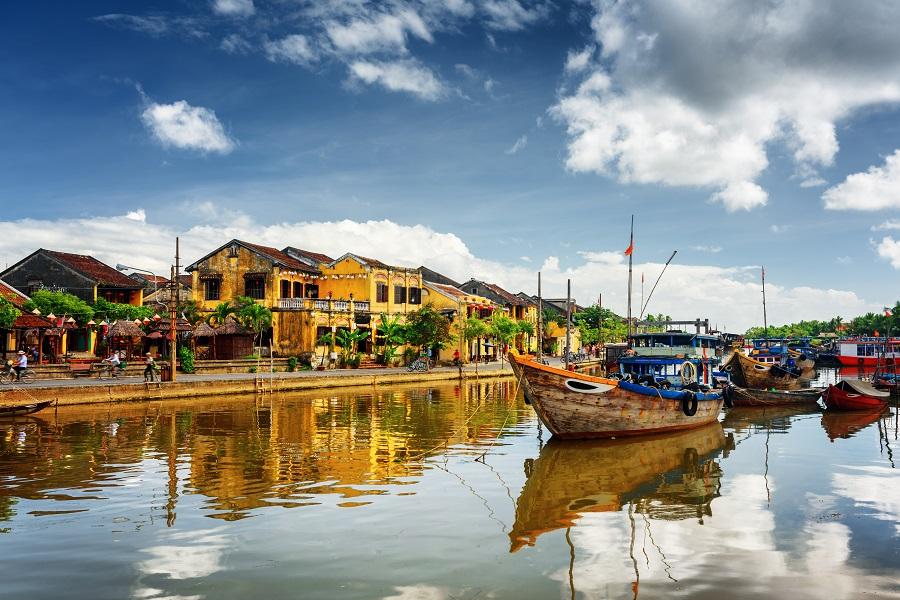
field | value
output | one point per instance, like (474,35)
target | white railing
(320,304)
(291,304)
(362,306)
(341,306)
(323,305)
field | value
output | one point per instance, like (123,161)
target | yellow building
(457,305)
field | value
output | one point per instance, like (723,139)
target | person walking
(150,368)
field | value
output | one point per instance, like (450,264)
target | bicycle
(420,364)
(107,370)
(577,357)
(9,375)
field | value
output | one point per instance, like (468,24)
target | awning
(865,388)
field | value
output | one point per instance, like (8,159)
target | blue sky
(486,137)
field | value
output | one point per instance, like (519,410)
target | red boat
(868,351)
(853,394)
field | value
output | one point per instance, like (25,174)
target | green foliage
(349,342)
(221,312)
(252,315)
(503,328)
(409,355)
(60,304)
(526,327)
(292,364)
(186,358)
(190,310)
(8,313)
(427,327)
(252,370)
(392,334)
(113,311)
(866,324)
(552,316)
(474,328)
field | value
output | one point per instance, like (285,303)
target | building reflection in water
(249,454)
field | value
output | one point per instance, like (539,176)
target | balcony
(323,305)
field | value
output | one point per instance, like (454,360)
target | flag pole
(653,289)
(630,252)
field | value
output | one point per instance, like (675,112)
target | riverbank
(133,389)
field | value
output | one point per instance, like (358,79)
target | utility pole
(175,287)
(540,328)
(568,320)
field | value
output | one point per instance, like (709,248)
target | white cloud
(385,32)
(400,76)
(876,189)
(890,224)
(420,591)
(710,249)
(234,8)
(578,61)
(698,90)
(779,228)
(293,49)
(513,15)
(844,260)
(889,249)
(727,295)
(235,44)
(187,127)
(518,145)
(151,24)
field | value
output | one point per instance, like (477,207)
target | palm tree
(256,317)
(220,313)
(349,341)
(394,335)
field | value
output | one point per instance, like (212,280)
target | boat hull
(748,373)
(838,399)
(23,409)
(750,397)
(863,361)
(576,406)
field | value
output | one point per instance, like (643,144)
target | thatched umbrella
(126,331)
(204,331)
(233,340)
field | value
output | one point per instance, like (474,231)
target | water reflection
(288,451)
(668,476)
(847,424)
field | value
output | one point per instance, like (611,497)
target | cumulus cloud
(377,33)
(698,90)
(234,8)
(890,224)
(729,295)
(294,48)
(513,15)
(518,145)
(187,127)
(876,189)
(578,61)
(399,76)
(889,249)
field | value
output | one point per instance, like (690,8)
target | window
(312,290)
(381,292)
(399,294)
(298,289)
(285,288)
(211,289)
(415,295)
(255,287)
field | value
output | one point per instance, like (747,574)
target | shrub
(186,357)
(292,364)
(409,355)
(252,370)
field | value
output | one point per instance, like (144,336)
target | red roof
(280,257)
(447,289)
(511,298)
(30,321)
(313,256)
(17,298)
(102,274)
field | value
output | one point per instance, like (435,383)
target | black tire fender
(689,403)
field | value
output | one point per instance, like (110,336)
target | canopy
(203,330)
(125,329)
(865,388)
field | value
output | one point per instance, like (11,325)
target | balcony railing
(321,305)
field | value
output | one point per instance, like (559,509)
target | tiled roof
(508,297)
(30,321)
(447,289)
(317,257)
(17,298)
(102,274)
(279,257)
(186,280)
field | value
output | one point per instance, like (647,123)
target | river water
(440,493)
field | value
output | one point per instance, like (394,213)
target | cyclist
(21,364)
(115,364)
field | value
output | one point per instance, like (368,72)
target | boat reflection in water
(773,419)
(847,424)
(668,476)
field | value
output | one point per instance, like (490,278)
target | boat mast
(540,328)
(568,320)
(765,321)
(630,252)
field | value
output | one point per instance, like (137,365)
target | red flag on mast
(630,248)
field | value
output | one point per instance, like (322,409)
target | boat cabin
(676,344)
(868,351)
(665,356)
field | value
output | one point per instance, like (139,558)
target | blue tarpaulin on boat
(667,394)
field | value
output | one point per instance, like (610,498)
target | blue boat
(673,360)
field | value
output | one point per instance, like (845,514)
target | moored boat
(748,373)
(576,405)
(672,476)
(868,351)
(854,394)
(23,409)
(749,397)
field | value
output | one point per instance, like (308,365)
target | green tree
(222,311)
(8,313)
(504,330)
(471,329)
(393,334)
(253,316)
(349,341)
(60,304)
(114,311)
(190,310)
(526,328)
(427,328)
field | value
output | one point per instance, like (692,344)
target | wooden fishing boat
(23,409)
(846,424)
(575,405)
(854,394)
(749,397)
(748,373)
(670,472)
